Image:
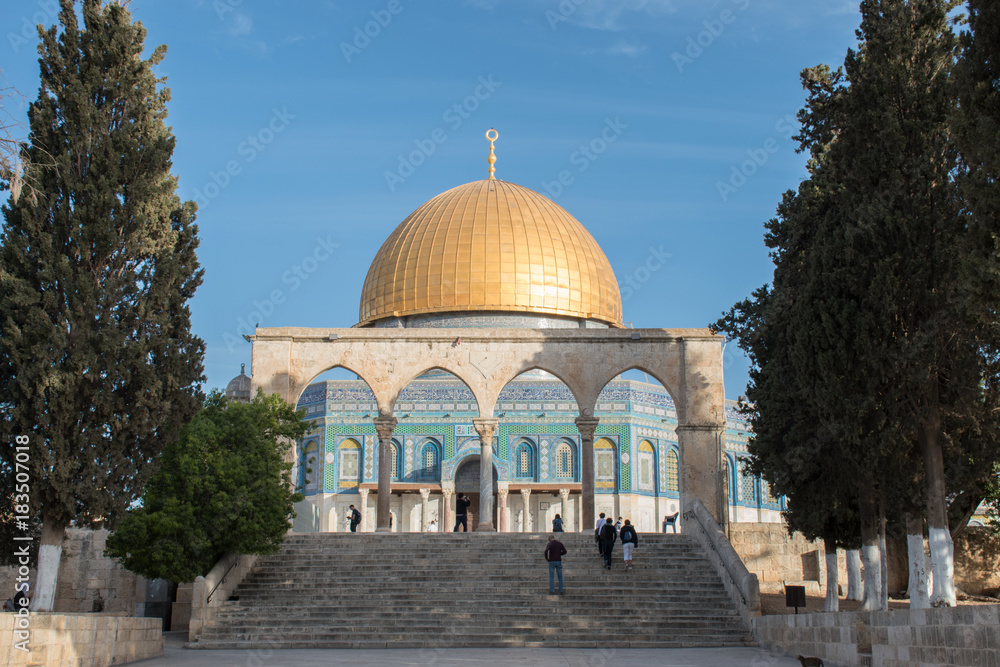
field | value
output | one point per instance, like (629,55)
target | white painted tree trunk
(853,574)
(873,577)
(832,602)
(917,589)
(883,599)
(49,553)
(943,567)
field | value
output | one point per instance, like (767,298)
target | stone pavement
(175,655)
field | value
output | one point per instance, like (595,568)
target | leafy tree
(224,486)
(98,365)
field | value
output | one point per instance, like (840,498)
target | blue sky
(292,120)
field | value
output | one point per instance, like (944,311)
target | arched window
(730,479)
(564,460)
(748,484)
(524,460)
(605,464)
(350,463)
(394,461)
(645,464)
(430,461)
(310,466)
(672,471)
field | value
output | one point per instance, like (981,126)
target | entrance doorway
(467,482)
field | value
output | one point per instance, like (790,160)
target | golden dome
(491,246)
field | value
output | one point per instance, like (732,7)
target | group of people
(607,532)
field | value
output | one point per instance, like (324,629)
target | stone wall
(86,577)
(80,640)
(967,636)
(833,637)
(774,557)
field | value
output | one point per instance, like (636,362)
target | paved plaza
(175,655)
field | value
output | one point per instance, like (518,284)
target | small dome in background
(238,388)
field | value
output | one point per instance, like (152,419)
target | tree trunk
(853,574)
(832,602)
(942,547)
(49,553)
(917,588)
(870,547)
(883,600)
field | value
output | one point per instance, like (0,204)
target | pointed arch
(349,464)
(310,467)
(454,374)
(395,461)
(646,467)
(605,465)
(566,460)
(525,461)
(672,471)
(430,460)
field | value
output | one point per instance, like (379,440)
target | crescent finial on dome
(492,159)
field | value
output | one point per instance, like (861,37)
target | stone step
(467,590)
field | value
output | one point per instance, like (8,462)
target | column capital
(425,493)
(485,428)
(363,493)
(502,492)
(564,494)
(525,492)
(587,426)
(448,488)
(385,426)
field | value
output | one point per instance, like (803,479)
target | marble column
(504,511)
(385,427)
(564,509)
(486,428)
(448,522)
(425,509)
(587,426)
(364,510)
(526,503)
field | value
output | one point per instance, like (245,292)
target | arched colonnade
(688,362)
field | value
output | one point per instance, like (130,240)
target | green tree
(98,365)
(224,486)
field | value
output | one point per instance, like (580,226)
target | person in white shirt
(597,533)
(432,526)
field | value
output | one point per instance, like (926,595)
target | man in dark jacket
(355,517)
(462,512)
(608,536)
(554,551)
(630,540)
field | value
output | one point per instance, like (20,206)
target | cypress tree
(98,366)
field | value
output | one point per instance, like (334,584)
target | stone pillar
(587,426)
(385,426)
(504,511)
(525,501)
(364,511)
(448,524)
(701,467)
(564,509)
(425,508)
(486,428)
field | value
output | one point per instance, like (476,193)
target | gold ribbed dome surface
(491,246)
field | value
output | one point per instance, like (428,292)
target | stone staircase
(365,590)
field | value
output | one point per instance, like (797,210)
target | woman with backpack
(557,524)
(630,540)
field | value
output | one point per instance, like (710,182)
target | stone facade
(536,450)
(80,640)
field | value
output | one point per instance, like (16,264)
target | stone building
(491,261)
